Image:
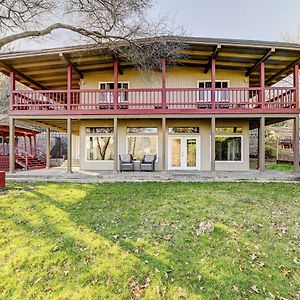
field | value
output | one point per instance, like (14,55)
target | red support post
(69,87)
(34,145)
(17,145)
(116,80)
(12,89)
(213,83)
(163,83)
(30,144)
(3,146)
(262,84)
(25,146)
(296,85)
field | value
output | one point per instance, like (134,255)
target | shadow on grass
(100,236)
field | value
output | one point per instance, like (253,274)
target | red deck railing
(155,101)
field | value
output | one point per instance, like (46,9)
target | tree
(290,37)
(99,21)
(4,94)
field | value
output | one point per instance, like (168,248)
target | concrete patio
(60,175)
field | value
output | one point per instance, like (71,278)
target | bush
(270,152)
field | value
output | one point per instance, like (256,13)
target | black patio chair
(148,163)
(126,162)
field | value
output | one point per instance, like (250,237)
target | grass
(139,240)
(280,167)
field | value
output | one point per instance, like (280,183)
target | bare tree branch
(97,21)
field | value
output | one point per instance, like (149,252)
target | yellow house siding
(204,135)
(176,77)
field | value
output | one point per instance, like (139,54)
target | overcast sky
(243,19)
(246,19)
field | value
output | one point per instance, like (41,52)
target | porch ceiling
(47,68)
(59,125)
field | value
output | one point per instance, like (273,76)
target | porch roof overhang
(46,69)
(19,131)
(22,128)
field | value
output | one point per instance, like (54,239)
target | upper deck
(55,77)
(155,101)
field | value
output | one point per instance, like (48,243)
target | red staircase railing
(27,160)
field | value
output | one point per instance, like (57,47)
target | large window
(99,148)
(221,95)
(138,146)
(107,97)
(228,148)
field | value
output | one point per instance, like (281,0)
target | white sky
(243,19)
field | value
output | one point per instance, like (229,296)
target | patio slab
(60,175)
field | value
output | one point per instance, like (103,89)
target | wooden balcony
(155,101)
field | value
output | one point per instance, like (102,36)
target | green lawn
(280,167)
(139,240)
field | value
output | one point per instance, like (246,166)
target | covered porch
(200,131)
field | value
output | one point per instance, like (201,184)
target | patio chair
(148,163)
(126,162)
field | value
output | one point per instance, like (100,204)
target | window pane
(176,152)
(224,84)
(99,148)
(228,148)
(191,145)
(184,130)
(99,130)
(141,129)
(138,146)
(229,130)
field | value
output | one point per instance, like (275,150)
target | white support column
(163,144)
(48,149)
(69,138)
(296,144)
(213,144)
(261,152)
(12,144)
(116,154)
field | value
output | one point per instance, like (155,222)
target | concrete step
(75,163)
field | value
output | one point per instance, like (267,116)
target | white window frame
(143,135)
(207,97)
(183,134)
(205,81)
(108,98)
(242,148)
(198,151)
(108,82)
(88,135)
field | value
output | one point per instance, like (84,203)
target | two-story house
(195,113)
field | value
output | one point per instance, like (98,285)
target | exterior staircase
(27,161)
